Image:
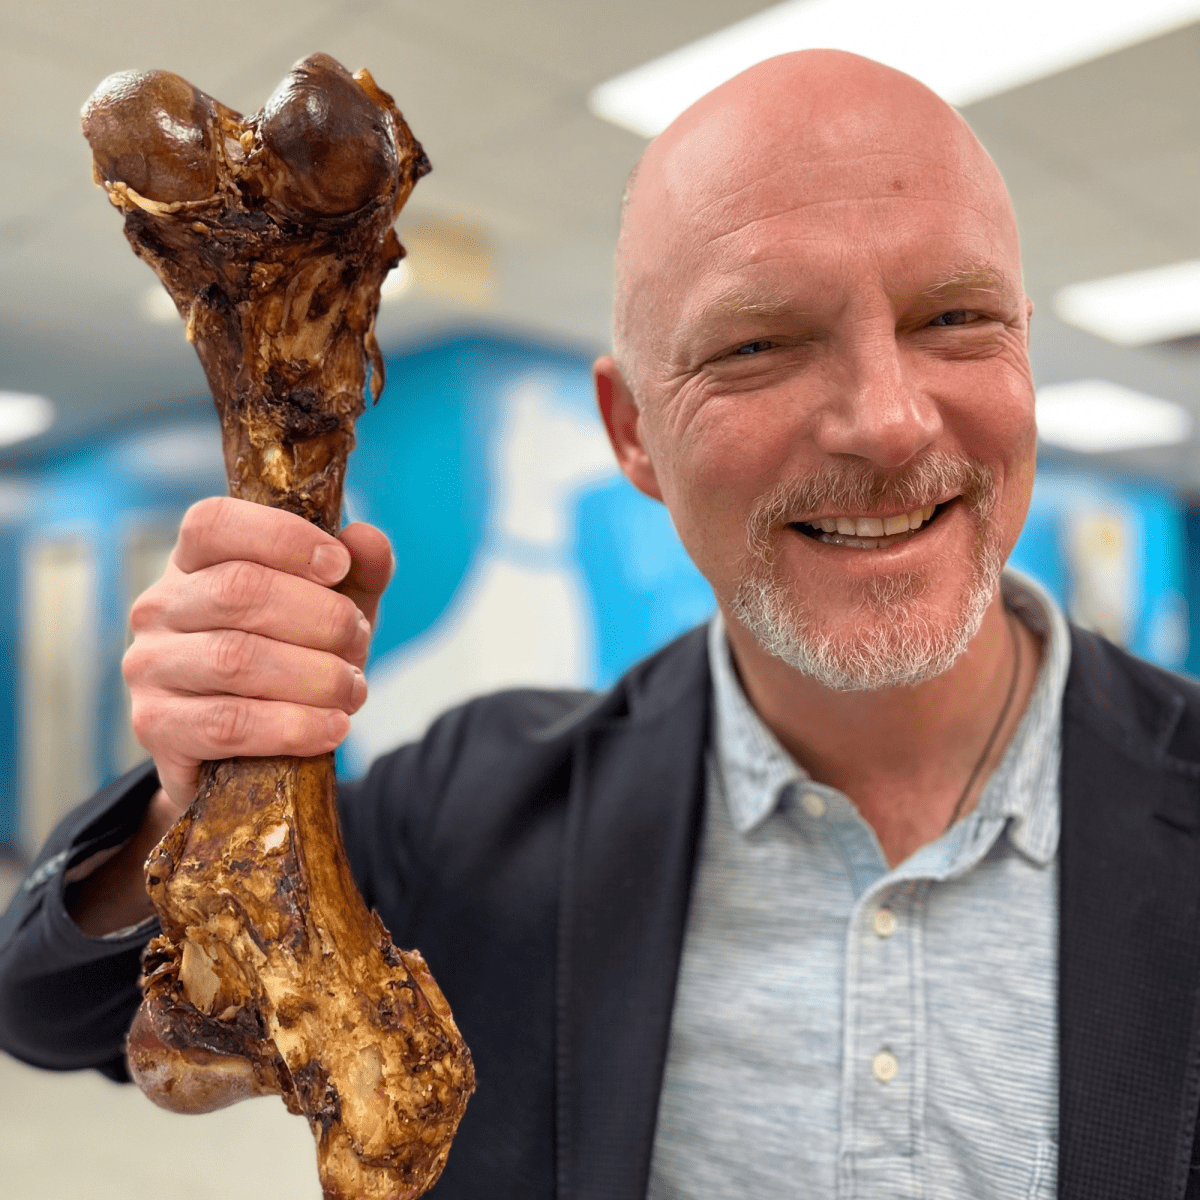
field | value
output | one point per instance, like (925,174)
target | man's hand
(243,647)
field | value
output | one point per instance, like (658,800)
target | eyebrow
(751,304)
(975,277)
(972,277)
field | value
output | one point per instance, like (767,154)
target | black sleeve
(66,998)
(380,826)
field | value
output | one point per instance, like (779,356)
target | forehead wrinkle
(791,208)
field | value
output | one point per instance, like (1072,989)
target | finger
(187,730)
(223,528)
(256,599)
(230,661)
(178,778)
(370,568)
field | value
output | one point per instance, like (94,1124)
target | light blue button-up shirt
(845,1029)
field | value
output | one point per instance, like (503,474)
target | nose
(876,410)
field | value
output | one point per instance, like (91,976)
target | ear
(623,420)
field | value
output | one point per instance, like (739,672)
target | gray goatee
(892,639)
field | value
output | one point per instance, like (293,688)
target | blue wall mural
(522,555)
(1113,553)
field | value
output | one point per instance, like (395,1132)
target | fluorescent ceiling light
(157,305)
(1138,308)
(1095,416)
(23,416)
(182,454)
(965,53)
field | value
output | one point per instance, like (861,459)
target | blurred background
(522,555)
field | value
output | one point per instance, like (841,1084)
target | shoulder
(1140,706)
(507,739)
(496,773)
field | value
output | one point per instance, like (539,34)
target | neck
(902,755)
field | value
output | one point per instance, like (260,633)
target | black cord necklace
(1012,691)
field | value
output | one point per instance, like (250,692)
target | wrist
(111,895)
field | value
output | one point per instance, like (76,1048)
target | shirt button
(884,1066)
(884,922)
(813,804)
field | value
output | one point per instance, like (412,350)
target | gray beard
(896,644)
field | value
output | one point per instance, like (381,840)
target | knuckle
(133,664)
(233,656)
(143,722)
(239,589)
(200,518)
(227,724)
(146,610)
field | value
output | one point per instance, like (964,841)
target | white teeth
(867,529)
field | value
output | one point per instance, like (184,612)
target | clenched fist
(254,640)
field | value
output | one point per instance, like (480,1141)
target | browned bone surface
(272,234)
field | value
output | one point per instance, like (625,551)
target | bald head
(810,129)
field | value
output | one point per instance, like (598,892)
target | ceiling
(1103,162)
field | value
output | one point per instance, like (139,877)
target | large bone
(272,234)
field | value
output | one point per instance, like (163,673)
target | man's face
(831,347)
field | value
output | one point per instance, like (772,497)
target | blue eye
(957,316)
(753,347)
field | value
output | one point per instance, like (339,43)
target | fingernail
(358,690)
(330,562)
(364,625)
(339,726)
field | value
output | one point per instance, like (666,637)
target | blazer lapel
(635,817)
(1129,954)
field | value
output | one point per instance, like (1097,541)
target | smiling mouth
(871,533)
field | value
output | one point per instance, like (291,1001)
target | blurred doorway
(59,661)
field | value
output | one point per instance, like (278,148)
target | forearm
(67,997)
(113,896)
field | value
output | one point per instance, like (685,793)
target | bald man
(885,884)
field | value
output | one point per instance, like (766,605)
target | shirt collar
(1024,787)
(755,770)
(753,767)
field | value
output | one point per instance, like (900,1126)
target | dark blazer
(539,849)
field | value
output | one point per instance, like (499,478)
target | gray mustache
(852,487)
